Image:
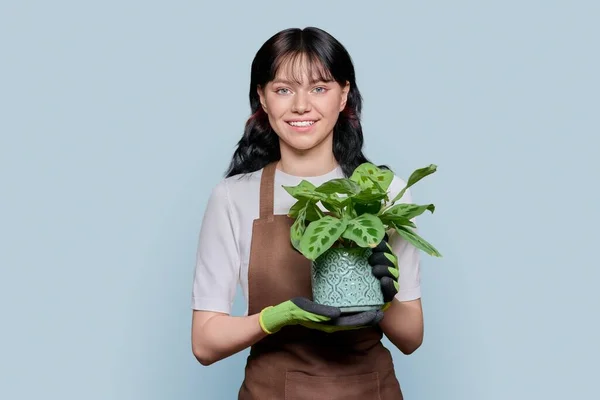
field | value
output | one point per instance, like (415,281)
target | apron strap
(267,186)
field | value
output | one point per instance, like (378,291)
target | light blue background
(118,117)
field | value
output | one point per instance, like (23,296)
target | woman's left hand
(385,268)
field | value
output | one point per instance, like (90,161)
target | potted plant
(339,241)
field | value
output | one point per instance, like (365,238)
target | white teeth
(301,123)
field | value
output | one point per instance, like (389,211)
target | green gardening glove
(304,312)
(348,322)
(385,267)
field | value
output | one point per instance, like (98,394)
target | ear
(261,95)
(344,96)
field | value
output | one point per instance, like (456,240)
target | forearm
(222,336)
(403,325)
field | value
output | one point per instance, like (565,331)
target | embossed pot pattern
(342,277)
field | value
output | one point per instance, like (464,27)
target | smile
(301,123)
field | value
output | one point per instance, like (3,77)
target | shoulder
(233,188)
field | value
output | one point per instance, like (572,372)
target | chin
(302,143)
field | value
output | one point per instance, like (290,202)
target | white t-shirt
(225,236)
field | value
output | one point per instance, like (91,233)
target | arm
(403,320)
(403,325)
(216,336)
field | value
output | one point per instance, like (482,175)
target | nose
(301,103)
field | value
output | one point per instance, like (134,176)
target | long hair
(327,57)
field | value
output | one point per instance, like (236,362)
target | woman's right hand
(302,311)
(217,335)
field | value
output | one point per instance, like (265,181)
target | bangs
(296,66)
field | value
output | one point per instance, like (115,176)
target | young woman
(305,124)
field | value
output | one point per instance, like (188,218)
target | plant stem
(385,207)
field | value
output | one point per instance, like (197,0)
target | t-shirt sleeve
(217,267)
(409,278)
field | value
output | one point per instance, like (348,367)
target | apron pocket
(301,386)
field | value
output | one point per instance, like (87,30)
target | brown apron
(298,363)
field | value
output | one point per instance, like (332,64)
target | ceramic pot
(342,277)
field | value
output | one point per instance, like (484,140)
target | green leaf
(320,235)
(296,207)
(377,185)
(367,173)
(304,190)
(335,204)
(336,201)
(415,177)
(369,195)
(298,228)
(313,212)
(331,207)
(359,176)
(349,213)
(413,238)
(368,208)
(397,220)
(421,173)
(366,230)
(340,185)
(407,210)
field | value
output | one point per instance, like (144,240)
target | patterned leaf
(331,206)
(407,210)
(377,185)
(296,207)
(366,230)
(304,190)
(397,220)
(320,236)
(416,240)
(298,228)
(340,185)
(369,208)
(366,174)
(334,203)
(369,195)
(313,212)
(415,177)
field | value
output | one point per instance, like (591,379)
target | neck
(318,160)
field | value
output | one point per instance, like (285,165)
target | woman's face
(302,114)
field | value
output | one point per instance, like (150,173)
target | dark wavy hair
(328,60)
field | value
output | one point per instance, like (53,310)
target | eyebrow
(312,81)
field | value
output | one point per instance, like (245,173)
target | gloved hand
(302,311)
(385,268)
(348,322)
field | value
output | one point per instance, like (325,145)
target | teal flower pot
(342,277)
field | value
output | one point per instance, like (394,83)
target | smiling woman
(299,78)
(303,112)
(305,125)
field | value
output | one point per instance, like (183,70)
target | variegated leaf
(320,236)
(340,185)
(304,190)
(366,230)
(298,228)
(407,210)
(413,238)
(415,177)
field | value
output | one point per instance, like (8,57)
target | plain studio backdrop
(118,117)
